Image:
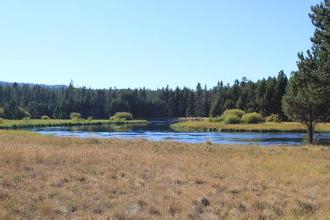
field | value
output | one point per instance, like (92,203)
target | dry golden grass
(45,177)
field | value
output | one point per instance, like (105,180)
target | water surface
(160,131)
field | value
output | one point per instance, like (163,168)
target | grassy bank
(44,177)
(14,124)
(205,125)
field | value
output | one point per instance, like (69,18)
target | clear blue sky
(151,43)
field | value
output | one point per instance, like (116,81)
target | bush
(45,117)
(1,121)
(273,118)
(237,112)
(90,118)
(252,118)
(75,116)
(215,119)
(231,119)
(122,116)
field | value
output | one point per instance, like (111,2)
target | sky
(150,43)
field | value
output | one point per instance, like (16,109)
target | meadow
(45,177)
(30,123)
(205,125)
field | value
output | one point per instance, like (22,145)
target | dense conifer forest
(264,96)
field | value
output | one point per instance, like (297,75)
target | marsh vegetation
(206,125)
(33,123)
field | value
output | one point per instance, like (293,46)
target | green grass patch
(31,123)
(206,125)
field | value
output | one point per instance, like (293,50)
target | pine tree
(307,97)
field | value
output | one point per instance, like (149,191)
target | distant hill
(2,83)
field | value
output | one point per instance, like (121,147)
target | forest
(264,96)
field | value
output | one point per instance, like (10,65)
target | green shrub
(215,119)
(273,118)
(231,119)
(1,121)
(122,116)
(45,117)
(75,116)
(238,112)
(252,118)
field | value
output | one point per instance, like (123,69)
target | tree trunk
(310,130)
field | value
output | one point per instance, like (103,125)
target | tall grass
(67,178)
(206,125)
(15,124)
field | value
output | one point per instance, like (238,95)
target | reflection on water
(160,130)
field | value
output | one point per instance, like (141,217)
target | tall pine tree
(307,98)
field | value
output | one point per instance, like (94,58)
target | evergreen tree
(281,83)
(307,98)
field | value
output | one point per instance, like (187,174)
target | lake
(161,131)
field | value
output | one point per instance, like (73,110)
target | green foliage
(273,118)
(122,116)
(237,112)
(45,117)
(34,123)
(307,97)
(144,103)
(252,118)
(11,111)
(281,83)
(90,118)
(231,119)
(217,102)
(1,112)
(75,116)
(24,112)
(1,121)
(215,119)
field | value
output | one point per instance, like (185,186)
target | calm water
(160,130)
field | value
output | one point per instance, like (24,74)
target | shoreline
(271,127)
(35,123)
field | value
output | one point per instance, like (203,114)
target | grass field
(13,124)
(205,125)
(43,177)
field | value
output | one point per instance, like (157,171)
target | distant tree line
(263,96)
